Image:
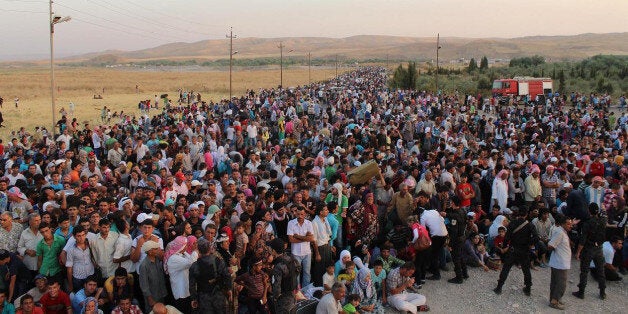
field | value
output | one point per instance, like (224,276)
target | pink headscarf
(190,246)
(177,245)
(503,171)
(534,169)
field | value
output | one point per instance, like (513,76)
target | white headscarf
(338,186)
(498,222)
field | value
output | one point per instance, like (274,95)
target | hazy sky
(135,24)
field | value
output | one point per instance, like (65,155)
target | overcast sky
(135,24)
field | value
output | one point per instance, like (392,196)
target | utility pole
(54,19)
(309,67)
(437,49)
(231,37)
(281,46)
(336,69)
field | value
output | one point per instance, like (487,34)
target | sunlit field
(118,89)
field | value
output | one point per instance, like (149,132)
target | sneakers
(498,290)
(415,288)
(578,294)
(457,280)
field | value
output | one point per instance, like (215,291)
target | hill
(364,47)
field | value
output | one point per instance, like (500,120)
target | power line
(117,9)
(171,16)
(115,29)
(22,11)
(118,23)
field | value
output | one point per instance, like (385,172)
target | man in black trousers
(521,235)
(592,237)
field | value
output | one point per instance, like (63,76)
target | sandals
(423,308)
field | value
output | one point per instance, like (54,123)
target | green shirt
(349,308)
(343,204)
(50,255)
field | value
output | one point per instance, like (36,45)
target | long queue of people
(251,205)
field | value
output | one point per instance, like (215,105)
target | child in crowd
(378,277)
(328,279)
(347,275)
(353,304)
(241,240)
(498,243)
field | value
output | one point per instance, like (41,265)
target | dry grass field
(78,85)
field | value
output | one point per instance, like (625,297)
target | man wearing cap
(19,205)
(255,286)
(210,281)
(179,185)
(41,287)
(151,275)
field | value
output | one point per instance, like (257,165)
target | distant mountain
(553,48)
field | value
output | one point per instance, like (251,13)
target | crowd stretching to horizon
(343,196)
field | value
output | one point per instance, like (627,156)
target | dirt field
(117,86)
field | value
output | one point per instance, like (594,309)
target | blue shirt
(333,224)
(79,298)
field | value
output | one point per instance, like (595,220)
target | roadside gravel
(476,295)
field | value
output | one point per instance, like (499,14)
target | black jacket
(524,237)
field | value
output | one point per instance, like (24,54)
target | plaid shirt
(549,192)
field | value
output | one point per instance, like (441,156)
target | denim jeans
(306,265)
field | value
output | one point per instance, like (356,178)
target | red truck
(523,86)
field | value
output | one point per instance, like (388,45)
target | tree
(484,64)
(405,78)
(472,66)
(484,84)
(561,81)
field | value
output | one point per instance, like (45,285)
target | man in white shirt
(608,249)
(435,223)
(560,262)
(27,245)
(322,248)
(301,234)
(330,303)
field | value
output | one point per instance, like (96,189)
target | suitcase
(305,307)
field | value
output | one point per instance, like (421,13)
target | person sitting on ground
(27,306)
(470,252)
(399,280)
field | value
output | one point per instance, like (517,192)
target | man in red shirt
(465,192)
(55,301)
(597,167)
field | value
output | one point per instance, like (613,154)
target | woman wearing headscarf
(345,257)
(499,191)
(91,306)
(177,263)
(362,222)
(500,221)
(363,286)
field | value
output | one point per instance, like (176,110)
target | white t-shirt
(432,220)
(609,253)
(328,304)
(561,257)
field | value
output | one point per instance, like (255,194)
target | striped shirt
(80,261)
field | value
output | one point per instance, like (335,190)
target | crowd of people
(340,196)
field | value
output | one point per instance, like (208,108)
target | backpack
(423,242)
